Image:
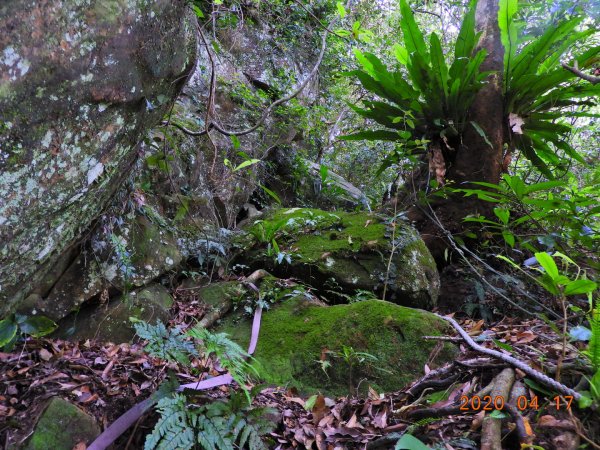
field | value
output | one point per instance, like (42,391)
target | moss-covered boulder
(111,323)
(80,84)
(62,426)
(339,349)
(344,252)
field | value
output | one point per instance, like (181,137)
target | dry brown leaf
(319,409)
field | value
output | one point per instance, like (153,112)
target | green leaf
(401,54)
(537,387)
(198,12)
(509,238)
(502,214)
(465,43)
(409,442)
(247,163)
(341,10)
(413,38)
(310,402)
(235,141)
(585,401)
(38,326)
(8,330)
(481,133)
(580,287)
(508,31)
(503,345)
(510,261)
(547,262)
(438,63)
(270,193)
(323,171)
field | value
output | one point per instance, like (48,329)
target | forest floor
(446,408)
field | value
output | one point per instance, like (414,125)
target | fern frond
(593,350)
(169,345)
(173,429)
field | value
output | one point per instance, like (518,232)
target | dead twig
(538,376)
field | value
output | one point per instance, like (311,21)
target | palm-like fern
(435,100)
(538,90)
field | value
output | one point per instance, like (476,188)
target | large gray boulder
(80,83)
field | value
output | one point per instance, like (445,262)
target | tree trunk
(476,158)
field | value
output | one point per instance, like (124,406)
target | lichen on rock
(79,86)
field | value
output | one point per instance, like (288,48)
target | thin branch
(267,112)
(535,374)
(592,79)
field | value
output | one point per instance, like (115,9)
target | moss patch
(61,426)
(296,335)
(345,251)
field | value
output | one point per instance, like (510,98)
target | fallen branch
(491,431)
(525,438)
(536,375)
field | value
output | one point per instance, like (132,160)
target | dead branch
(525,439)
(538,376)
(491,432)
(592,79)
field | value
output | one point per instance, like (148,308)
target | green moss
(218,294)
(61,427)
(295,334)
(353,249)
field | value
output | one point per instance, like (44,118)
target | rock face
(79,85)
(344,253)
(62,426)
(112,323)
(251,72)
(334,349)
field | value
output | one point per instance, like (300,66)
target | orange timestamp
(497,403)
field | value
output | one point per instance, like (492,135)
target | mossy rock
(154,251)
(111,323)
(297,337)
(345,252)
(62,426)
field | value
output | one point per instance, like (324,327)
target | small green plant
(216,425)
(562,286)
(265,232)
(534,209)
(19,325)
(221,425)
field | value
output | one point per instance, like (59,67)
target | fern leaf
(413,38)
(508,32)
(593,351)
